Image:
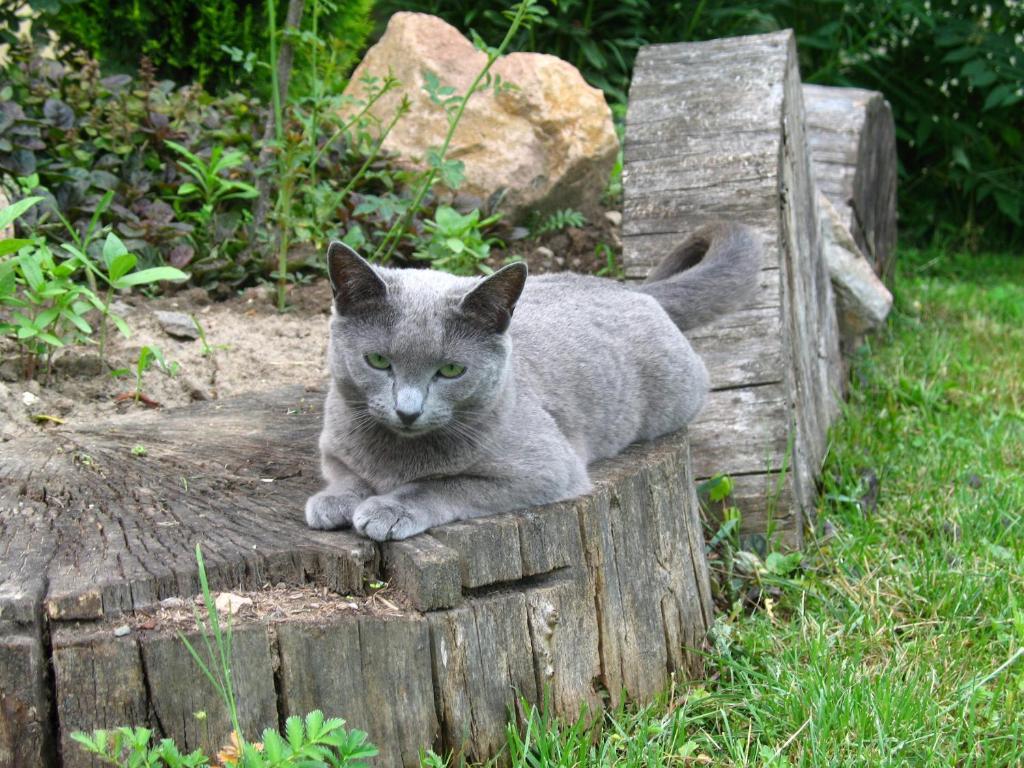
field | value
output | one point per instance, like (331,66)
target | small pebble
(544,253)
(614,218)
(172,602)
(29,399)
(121,631)
(177,325)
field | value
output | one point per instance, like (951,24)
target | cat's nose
(408,417)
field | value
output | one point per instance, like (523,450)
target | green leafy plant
(147,357)
(556,221)
(611,267)
(206,349)
(49,305)
(209,185)
(455,242)
(46,306)
(310,742)
(116,269)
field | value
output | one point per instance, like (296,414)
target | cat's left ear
(353,280)
(493,301)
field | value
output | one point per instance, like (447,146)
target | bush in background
(952,70)
(216,43)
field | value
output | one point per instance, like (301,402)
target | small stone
(543,253)
(172,602)
(29,399)
(121,631)
(10,370)
(560,262)
(228,602)
(974,481)
(62,405)
(194,389)
(118,307)
(177,325)
(614,218)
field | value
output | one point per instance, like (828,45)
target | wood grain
(715,130)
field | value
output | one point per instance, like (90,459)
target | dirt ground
(251,346)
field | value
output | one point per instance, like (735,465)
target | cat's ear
(494,299)
(353,280)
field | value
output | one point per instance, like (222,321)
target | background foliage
(190,41)
(951,69)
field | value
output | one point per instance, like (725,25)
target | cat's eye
(451,371)
(379,362)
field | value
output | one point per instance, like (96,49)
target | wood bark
(584,602)
(716,130)
(853,148)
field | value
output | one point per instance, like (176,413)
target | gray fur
(585,367)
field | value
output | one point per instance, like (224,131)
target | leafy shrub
(953,72)
(46,298)
(455,243)
(560,219)
(212,42)
(181,166)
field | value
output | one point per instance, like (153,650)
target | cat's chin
(409,432)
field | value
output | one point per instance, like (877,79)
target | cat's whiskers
(476,437)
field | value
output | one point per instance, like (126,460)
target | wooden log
(426,643)
(716,130)
(852,138)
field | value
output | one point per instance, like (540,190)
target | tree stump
(715,130)
(423,643)
(853,149)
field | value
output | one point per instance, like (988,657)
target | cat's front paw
(384,518)
(326,511)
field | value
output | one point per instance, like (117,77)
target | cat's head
(417,350)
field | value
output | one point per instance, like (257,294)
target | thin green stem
(274,86)
(344,129)
(313,132)
(395,234)
(372,155)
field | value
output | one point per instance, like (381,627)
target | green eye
(379,362)
(451,370)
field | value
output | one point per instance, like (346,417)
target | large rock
(549,142)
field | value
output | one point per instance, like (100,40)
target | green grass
(902,641)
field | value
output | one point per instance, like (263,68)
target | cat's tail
(712,273)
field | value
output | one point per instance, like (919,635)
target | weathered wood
(25,738)
(583,601)
(101,681)
(427,572)
(185,704)
(482,658)
(716,130)
(852,138)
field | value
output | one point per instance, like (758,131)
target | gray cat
(443,406)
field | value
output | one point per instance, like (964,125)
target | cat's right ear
(353,280)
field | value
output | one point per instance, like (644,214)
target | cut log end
(423,643)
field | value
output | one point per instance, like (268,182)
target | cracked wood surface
(587,600)
(716,130)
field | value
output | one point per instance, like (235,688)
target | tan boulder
(549,142)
